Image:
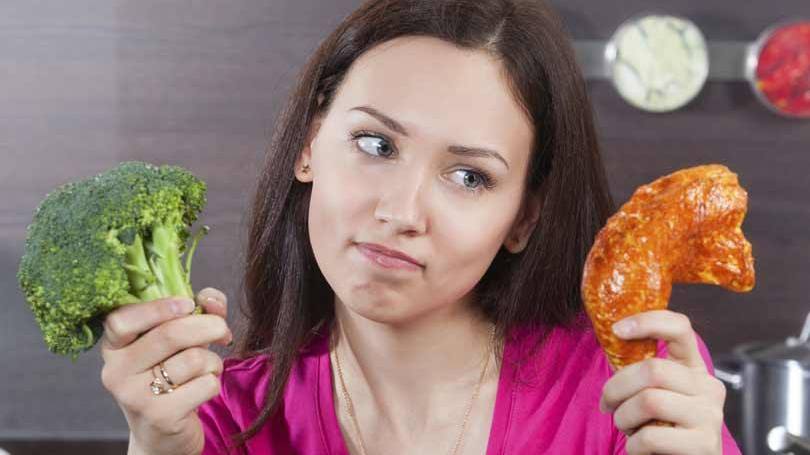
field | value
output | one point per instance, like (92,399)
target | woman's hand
(136,339)
(678,389)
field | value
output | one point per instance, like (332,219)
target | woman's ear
(303,165)
(524,225)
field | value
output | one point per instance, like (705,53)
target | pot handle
(728,372)
(782,441)
(804,337)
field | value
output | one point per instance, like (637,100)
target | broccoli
(107,241)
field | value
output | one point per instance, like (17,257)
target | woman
(414,262)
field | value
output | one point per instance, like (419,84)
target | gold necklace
(350,405)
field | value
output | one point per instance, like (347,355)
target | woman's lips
(386,258)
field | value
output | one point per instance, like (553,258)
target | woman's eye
(470,180)
(378,146)
(373,145)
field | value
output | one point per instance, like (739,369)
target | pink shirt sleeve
(729,445)
(222,416)
(217,424)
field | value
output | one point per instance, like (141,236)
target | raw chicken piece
(682,228)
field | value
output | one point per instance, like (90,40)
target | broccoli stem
(154,267)
(200,234)
(164,250)
(141,278)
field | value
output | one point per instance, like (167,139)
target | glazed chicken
(682,228)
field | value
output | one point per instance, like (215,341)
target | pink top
(554,409)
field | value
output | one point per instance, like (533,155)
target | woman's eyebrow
(460,150)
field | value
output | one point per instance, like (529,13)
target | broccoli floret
(107,241)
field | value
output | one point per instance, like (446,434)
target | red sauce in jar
(783,70)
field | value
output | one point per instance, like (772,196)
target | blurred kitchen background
(89,83)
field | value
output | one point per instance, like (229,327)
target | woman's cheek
(469,243)
(336,191)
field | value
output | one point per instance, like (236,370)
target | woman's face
(413,187)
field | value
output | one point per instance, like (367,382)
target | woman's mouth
(388,258)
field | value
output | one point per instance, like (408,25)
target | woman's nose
(401,206)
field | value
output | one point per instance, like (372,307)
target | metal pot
(774,379)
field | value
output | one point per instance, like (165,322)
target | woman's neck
(417,377)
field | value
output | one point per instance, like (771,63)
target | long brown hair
(287,299)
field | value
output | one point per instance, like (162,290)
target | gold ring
(157,385)
(166,375)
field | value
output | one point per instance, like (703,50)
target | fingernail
(624,328)
(212,300)
(182,306)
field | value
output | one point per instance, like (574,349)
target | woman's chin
(381,308)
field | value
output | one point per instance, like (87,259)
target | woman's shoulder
(244,384)
(556,375)
(251,372)
(241,373)
(245,369)
(243,379)
(575,345)
(573,340)
(232,410)
(256,363)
